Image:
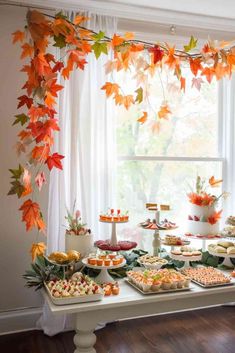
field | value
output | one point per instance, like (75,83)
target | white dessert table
(130,304)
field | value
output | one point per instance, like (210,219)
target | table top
(129,296)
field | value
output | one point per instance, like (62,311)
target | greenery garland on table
(38,122)
(43,271)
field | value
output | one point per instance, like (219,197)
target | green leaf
(59,41)
(139,96)
(97,37)
(16,173)
(17,188)
(99,48)
(21,118)
(191,45)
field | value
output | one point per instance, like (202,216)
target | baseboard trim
(19,320)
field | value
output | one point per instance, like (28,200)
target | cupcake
(156,286)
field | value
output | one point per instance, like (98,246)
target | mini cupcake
(156,286)
(166,284)
(100,262)
(107,262)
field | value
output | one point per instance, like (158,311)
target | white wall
(14,241)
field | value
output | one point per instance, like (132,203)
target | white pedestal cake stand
(203,240)
(186,259)
(156,235)
(104,276)
(227,262)
(113,239)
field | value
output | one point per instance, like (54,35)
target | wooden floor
(201,331)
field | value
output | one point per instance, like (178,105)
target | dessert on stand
(186,254)
(204,216)
(152,262)
(113,244)
(104,262)
(156,225)
(229,230)
(225,249)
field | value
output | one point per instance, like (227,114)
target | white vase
(81,243)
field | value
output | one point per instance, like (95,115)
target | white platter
(160,291)
(221,254)
(212,285)
(84,261)
(152,266)
(74,300)
(186,258)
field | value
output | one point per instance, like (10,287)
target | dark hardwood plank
(200,331)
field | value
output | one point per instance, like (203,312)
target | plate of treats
(61,258)
(152,262)
(158,281)
(78,289)
(101,261)
(207,277)
(173,240)
(186,253)
(222,248)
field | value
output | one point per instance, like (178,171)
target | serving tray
(160,291)
(74,300)
(212,285)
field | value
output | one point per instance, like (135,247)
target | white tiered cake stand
(227,262)
(113,239)
(103,276)
(186,259)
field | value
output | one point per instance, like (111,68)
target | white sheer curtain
(87,141)
(227,138)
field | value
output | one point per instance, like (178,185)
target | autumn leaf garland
(38,121)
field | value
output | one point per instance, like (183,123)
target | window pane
(191,130)
(139,182)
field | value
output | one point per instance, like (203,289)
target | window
(159,167)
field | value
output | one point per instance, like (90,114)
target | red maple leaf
(157,52)
(54,161)
(24,100)
(58,66)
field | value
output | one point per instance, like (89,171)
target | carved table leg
(85,338)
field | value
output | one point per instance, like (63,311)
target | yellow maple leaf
(37,249)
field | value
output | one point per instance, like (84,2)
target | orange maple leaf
(129,36)
(117,40)
(182,83)
(79,19)
(215,183)
(28,50)
(111,88)
(164,112)
(195,65)
(49,100)
(143,118)
(209,73)
(37,249)
(31,215)
(171,60)
(128,101)
(18,36)
(155,127)
(215,217)
(40,153)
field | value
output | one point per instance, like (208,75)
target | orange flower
(214,217)
(207,199)
(214,183)
(196,199)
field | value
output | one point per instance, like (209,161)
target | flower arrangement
(202,197)
(75,224)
